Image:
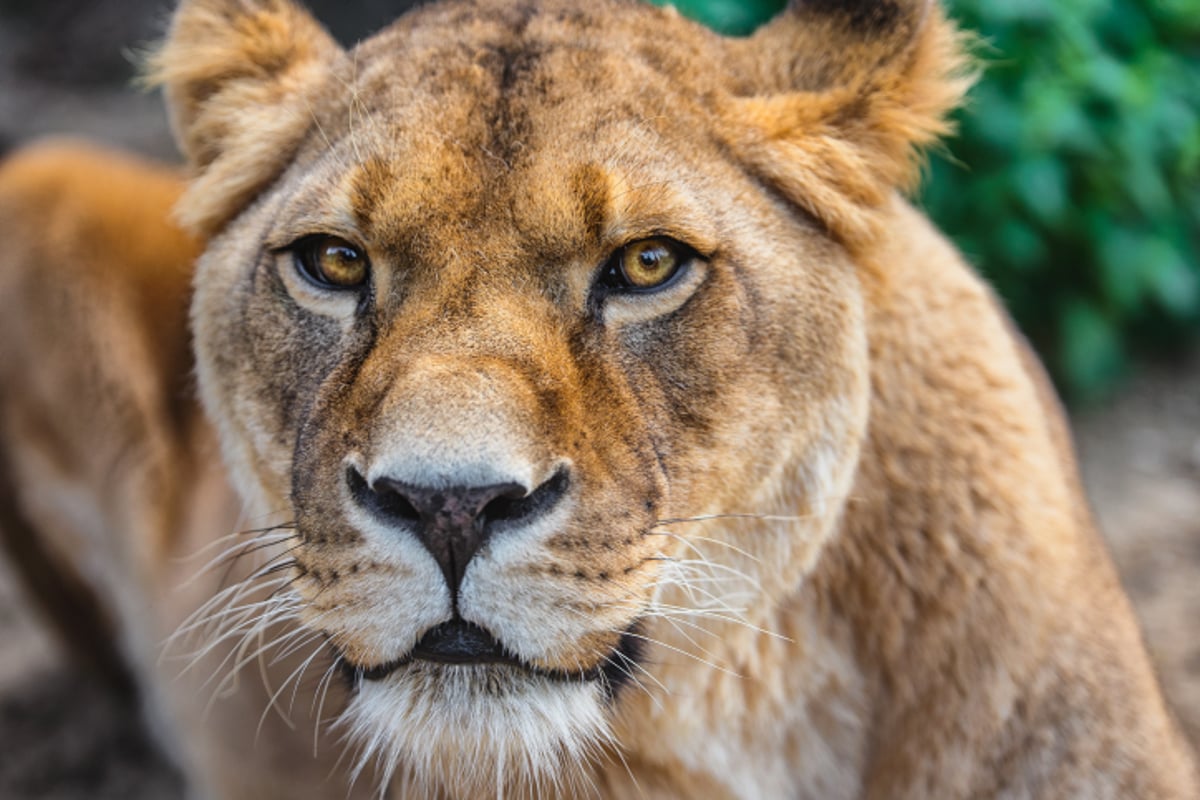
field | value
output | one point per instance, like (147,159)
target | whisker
(245,632)
(238,551)
(266,682)
(708,540)
(322,692)
(311,635)
(616,749)
(272,703)
(684,653)
(283,554)
(220,607)
(626,668)
(762,517)
(700,597)
(254,634)
(237,534)
(683,569)
(720,615)
(244,626)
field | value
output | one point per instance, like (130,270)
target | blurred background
(1074,187)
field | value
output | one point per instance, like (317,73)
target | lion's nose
(454,522)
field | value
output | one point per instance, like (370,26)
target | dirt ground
(63,738)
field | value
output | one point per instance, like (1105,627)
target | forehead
(487,108)
(551,49)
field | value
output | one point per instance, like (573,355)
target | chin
(477,729)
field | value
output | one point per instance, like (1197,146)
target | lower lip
(424,654)
(381,672)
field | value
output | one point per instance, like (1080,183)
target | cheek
(264,359)
(750,381)
(690,375)
(823,375)
(228,377)
(289,352)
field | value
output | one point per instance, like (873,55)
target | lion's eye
(646,265)
(331,262)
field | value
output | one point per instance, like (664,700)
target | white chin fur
(477,731)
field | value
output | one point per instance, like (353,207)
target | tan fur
(820,517)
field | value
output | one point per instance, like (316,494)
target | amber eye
(646,265)
(331,262)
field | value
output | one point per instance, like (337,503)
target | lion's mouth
(458,642)
(454,642)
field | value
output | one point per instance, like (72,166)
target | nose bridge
(467,367)
(458,419)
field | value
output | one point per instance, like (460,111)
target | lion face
(505,307)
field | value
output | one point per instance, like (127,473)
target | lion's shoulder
(81,194)
(98,220)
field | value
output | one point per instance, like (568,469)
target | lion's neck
(959,499)
(739,710)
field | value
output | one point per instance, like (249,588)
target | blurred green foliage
(736,17)
(1074,185)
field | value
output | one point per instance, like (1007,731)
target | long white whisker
(683,653)
(252,627)
(226,624)
(234,535)
(233,593)
(714,567)
(710,517)
(272,702)
(322,692)
(217,615)
(625,666)
(692,539)
(628,771)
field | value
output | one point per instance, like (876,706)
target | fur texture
(801,520)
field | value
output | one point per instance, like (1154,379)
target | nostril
(383,499)
(505,507)
(516,507)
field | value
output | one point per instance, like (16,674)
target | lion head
(504,303)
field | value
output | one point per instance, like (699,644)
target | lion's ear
(239,77)
(842,95)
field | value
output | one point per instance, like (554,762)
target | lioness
(607,424)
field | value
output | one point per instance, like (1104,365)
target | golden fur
(807,522)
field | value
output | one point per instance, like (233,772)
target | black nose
(454,522)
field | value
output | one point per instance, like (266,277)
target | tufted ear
(843,94)
(239,77)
